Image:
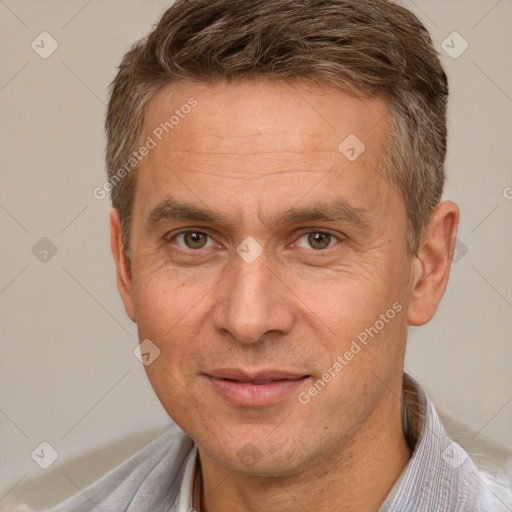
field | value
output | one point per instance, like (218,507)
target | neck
(358,477)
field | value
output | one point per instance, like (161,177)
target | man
(276,171)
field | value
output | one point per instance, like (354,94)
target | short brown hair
(365,47)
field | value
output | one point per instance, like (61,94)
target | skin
(249,152)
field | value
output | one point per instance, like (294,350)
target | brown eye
(195,240)
(318,240)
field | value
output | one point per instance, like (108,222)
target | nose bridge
(250,282)
(250,304)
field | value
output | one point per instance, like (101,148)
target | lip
(241,388)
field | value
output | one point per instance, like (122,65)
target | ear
(433,262)
(123,271)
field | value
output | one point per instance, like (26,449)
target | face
(269,267)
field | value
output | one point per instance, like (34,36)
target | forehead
(248,138)
(267,116)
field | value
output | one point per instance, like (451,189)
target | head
(276,171)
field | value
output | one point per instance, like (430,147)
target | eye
(317,240)
(193,240)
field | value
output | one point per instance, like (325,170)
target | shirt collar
(186,493)
(440,474)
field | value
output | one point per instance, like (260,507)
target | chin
(259,457)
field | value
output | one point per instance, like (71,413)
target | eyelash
(181,233)
(324,232)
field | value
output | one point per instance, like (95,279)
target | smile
(254,390)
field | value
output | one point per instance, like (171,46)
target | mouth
(258,389)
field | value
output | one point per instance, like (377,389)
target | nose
(252,302)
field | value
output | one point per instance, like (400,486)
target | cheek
(348,301)
(360,322)
(163,299)
(171,313)
(365,348)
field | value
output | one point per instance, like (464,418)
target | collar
(440,475)
(188,485)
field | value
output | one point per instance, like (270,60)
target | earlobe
(432,265)
(123,270)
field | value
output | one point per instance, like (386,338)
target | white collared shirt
(186,493)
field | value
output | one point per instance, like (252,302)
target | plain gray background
(68,373)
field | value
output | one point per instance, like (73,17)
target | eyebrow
(172,209)
(338,210)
